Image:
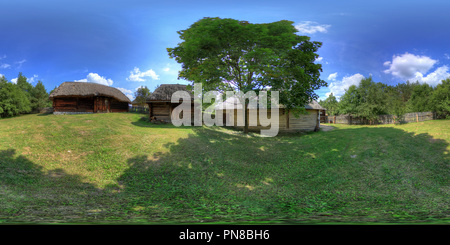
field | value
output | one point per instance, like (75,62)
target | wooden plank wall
(118,106)
(89,104)
(73,104)
(286,122)
(161,110)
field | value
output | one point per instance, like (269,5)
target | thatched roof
(88,89)
(164,92)
(314,105)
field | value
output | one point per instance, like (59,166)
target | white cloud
(2,57)
(311,27)
(95,78)
(32,79)
(20,63)
(319,59)
(4,66)
(332,76)
(127,92)
(167,69)
(433,78)
(406,66)
(338,88)
(414,68)
(137,76)
(14,80)
(447,56)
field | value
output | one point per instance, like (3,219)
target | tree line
(22,97)
(370,99)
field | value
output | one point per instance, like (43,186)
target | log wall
(88,104)
(287,121)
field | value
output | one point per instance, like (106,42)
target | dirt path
(326,127)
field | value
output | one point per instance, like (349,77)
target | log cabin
(160,105)
(82,97)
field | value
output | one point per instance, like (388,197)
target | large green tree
(39,97)
(331,104)
(228,54)
(441,98)
(420,99)
(367,100)
(13,100)
(141,95)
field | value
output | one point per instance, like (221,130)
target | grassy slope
(119,168)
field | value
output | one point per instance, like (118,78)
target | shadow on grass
(217,175)
(31,194)
(348,175)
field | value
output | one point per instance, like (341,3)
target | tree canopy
(369,99)
(21,97)
(141,95)
(232,55)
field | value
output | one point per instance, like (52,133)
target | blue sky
(123,43)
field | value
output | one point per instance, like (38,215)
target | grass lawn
(118,168)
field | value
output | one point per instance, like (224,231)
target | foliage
(39,97)
(13,99)
(141,95)
(441,98)
(370,99)
(227,54)
(349,101)
(420,100)
(331,104)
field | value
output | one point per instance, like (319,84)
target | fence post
(417,117)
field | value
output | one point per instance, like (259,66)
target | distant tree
(405,90)
(39,97)
(367,100)
(331,104)
(24,85)
(227,54)
(441,98)
(349,101)
(420,100)
(13,100)
(141,95)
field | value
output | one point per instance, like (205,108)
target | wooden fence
(382,119)
(139,109)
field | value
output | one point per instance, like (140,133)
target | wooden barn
(82,97)
(160,105)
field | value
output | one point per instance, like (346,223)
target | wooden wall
(73,104)
(88,104)
(160,110)
(163,110)
(304,122)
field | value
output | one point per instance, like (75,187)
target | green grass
(118,168)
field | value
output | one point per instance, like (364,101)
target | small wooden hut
(82,97)
(160,105)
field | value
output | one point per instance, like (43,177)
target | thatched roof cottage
(82,97)
(159,102)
